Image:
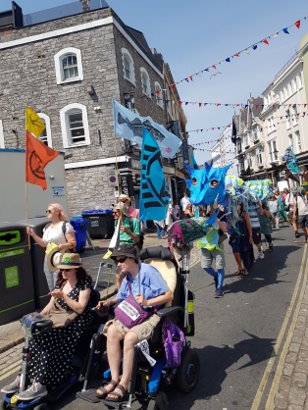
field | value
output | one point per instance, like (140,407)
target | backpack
(174,342)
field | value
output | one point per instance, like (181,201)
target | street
(236,335)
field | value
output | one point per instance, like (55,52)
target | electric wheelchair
(149,380)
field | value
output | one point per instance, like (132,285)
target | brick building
(69,63)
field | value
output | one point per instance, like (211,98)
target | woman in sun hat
(51,352)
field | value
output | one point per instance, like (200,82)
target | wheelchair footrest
(88,395)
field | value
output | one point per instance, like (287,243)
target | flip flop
(117,397)
(104,391)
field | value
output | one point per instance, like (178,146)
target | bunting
(246,51)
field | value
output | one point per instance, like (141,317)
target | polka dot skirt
(51,352)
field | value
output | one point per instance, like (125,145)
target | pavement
(289,389)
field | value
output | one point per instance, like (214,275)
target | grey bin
(37,257)
(16,279)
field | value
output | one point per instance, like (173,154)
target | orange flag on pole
(38,155)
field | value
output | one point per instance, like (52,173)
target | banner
(34,124)
(129,125)
(38,155)
(154,198)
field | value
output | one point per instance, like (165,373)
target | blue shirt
(148,283)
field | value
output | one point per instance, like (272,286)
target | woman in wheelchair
(143,286)
(51,352)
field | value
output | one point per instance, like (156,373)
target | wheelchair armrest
(168,311)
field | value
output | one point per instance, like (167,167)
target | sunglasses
(120,260)
(48,211)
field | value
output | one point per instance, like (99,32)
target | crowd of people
(71,287)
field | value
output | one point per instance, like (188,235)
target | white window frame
(143,71)
(298,142)
(126,54)
(291,141)
(59,68)
(159,97)
(2,143)
(46,120)
(272,145)
(65,125)
(288,122)
(259,157)
(255,132)
(294,114)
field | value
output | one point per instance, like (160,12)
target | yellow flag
(34,124)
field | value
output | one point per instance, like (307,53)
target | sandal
(118,397)
(237,272)
(244,272)
(104,391)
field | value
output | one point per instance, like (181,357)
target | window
(288,124)
(74,124)
(2,144)
(298,142)
(255,133)
(238,147)
(294,114)
(128,66)
(290,138)
(145,82)
(45,137)
(245,141)
(68,65)
(272,145)
(259,157)
(159,95)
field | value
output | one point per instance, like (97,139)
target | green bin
(16,279)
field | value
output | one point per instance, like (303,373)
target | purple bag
(129,312)
(174,341)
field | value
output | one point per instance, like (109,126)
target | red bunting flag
(265,41)
(191,77)
(200,104)
(214,66)
(297,23)
(38,155)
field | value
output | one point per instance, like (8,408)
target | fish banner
(129,125)
(154,198)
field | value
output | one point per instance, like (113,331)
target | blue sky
(196,34)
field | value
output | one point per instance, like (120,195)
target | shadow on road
(215,362)
(264,272)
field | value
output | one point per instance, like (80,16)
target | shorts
(256,235)
(303,221)
(143,331)
(208,257)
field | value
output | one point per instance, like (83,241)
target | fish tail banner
(154,198)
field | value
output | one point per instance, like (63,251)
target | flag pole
(26,189)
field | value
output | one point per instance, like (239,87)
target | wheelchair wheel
(188,373)
(160,402)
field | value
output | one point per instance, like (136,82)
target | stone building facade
(69,70)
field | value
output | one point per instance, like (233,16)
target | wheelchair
(149,380)
(34,325)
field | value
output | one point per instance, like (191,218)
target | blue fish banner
(207,185)
(291,161)
(154,198)
(129,125)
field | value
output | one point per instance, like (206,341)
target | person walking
(300,213)
(57,231)
(266,224)
(185,201)
(129,227)
(253,210)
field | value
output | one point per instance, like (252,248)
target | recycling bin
(16,279)
(80,226)
(101,223)
(37,253)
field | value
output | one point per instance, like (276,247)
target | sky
(196,34)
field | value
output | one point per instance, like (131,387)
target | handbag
(129,312)
(174,342)
(60,316)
